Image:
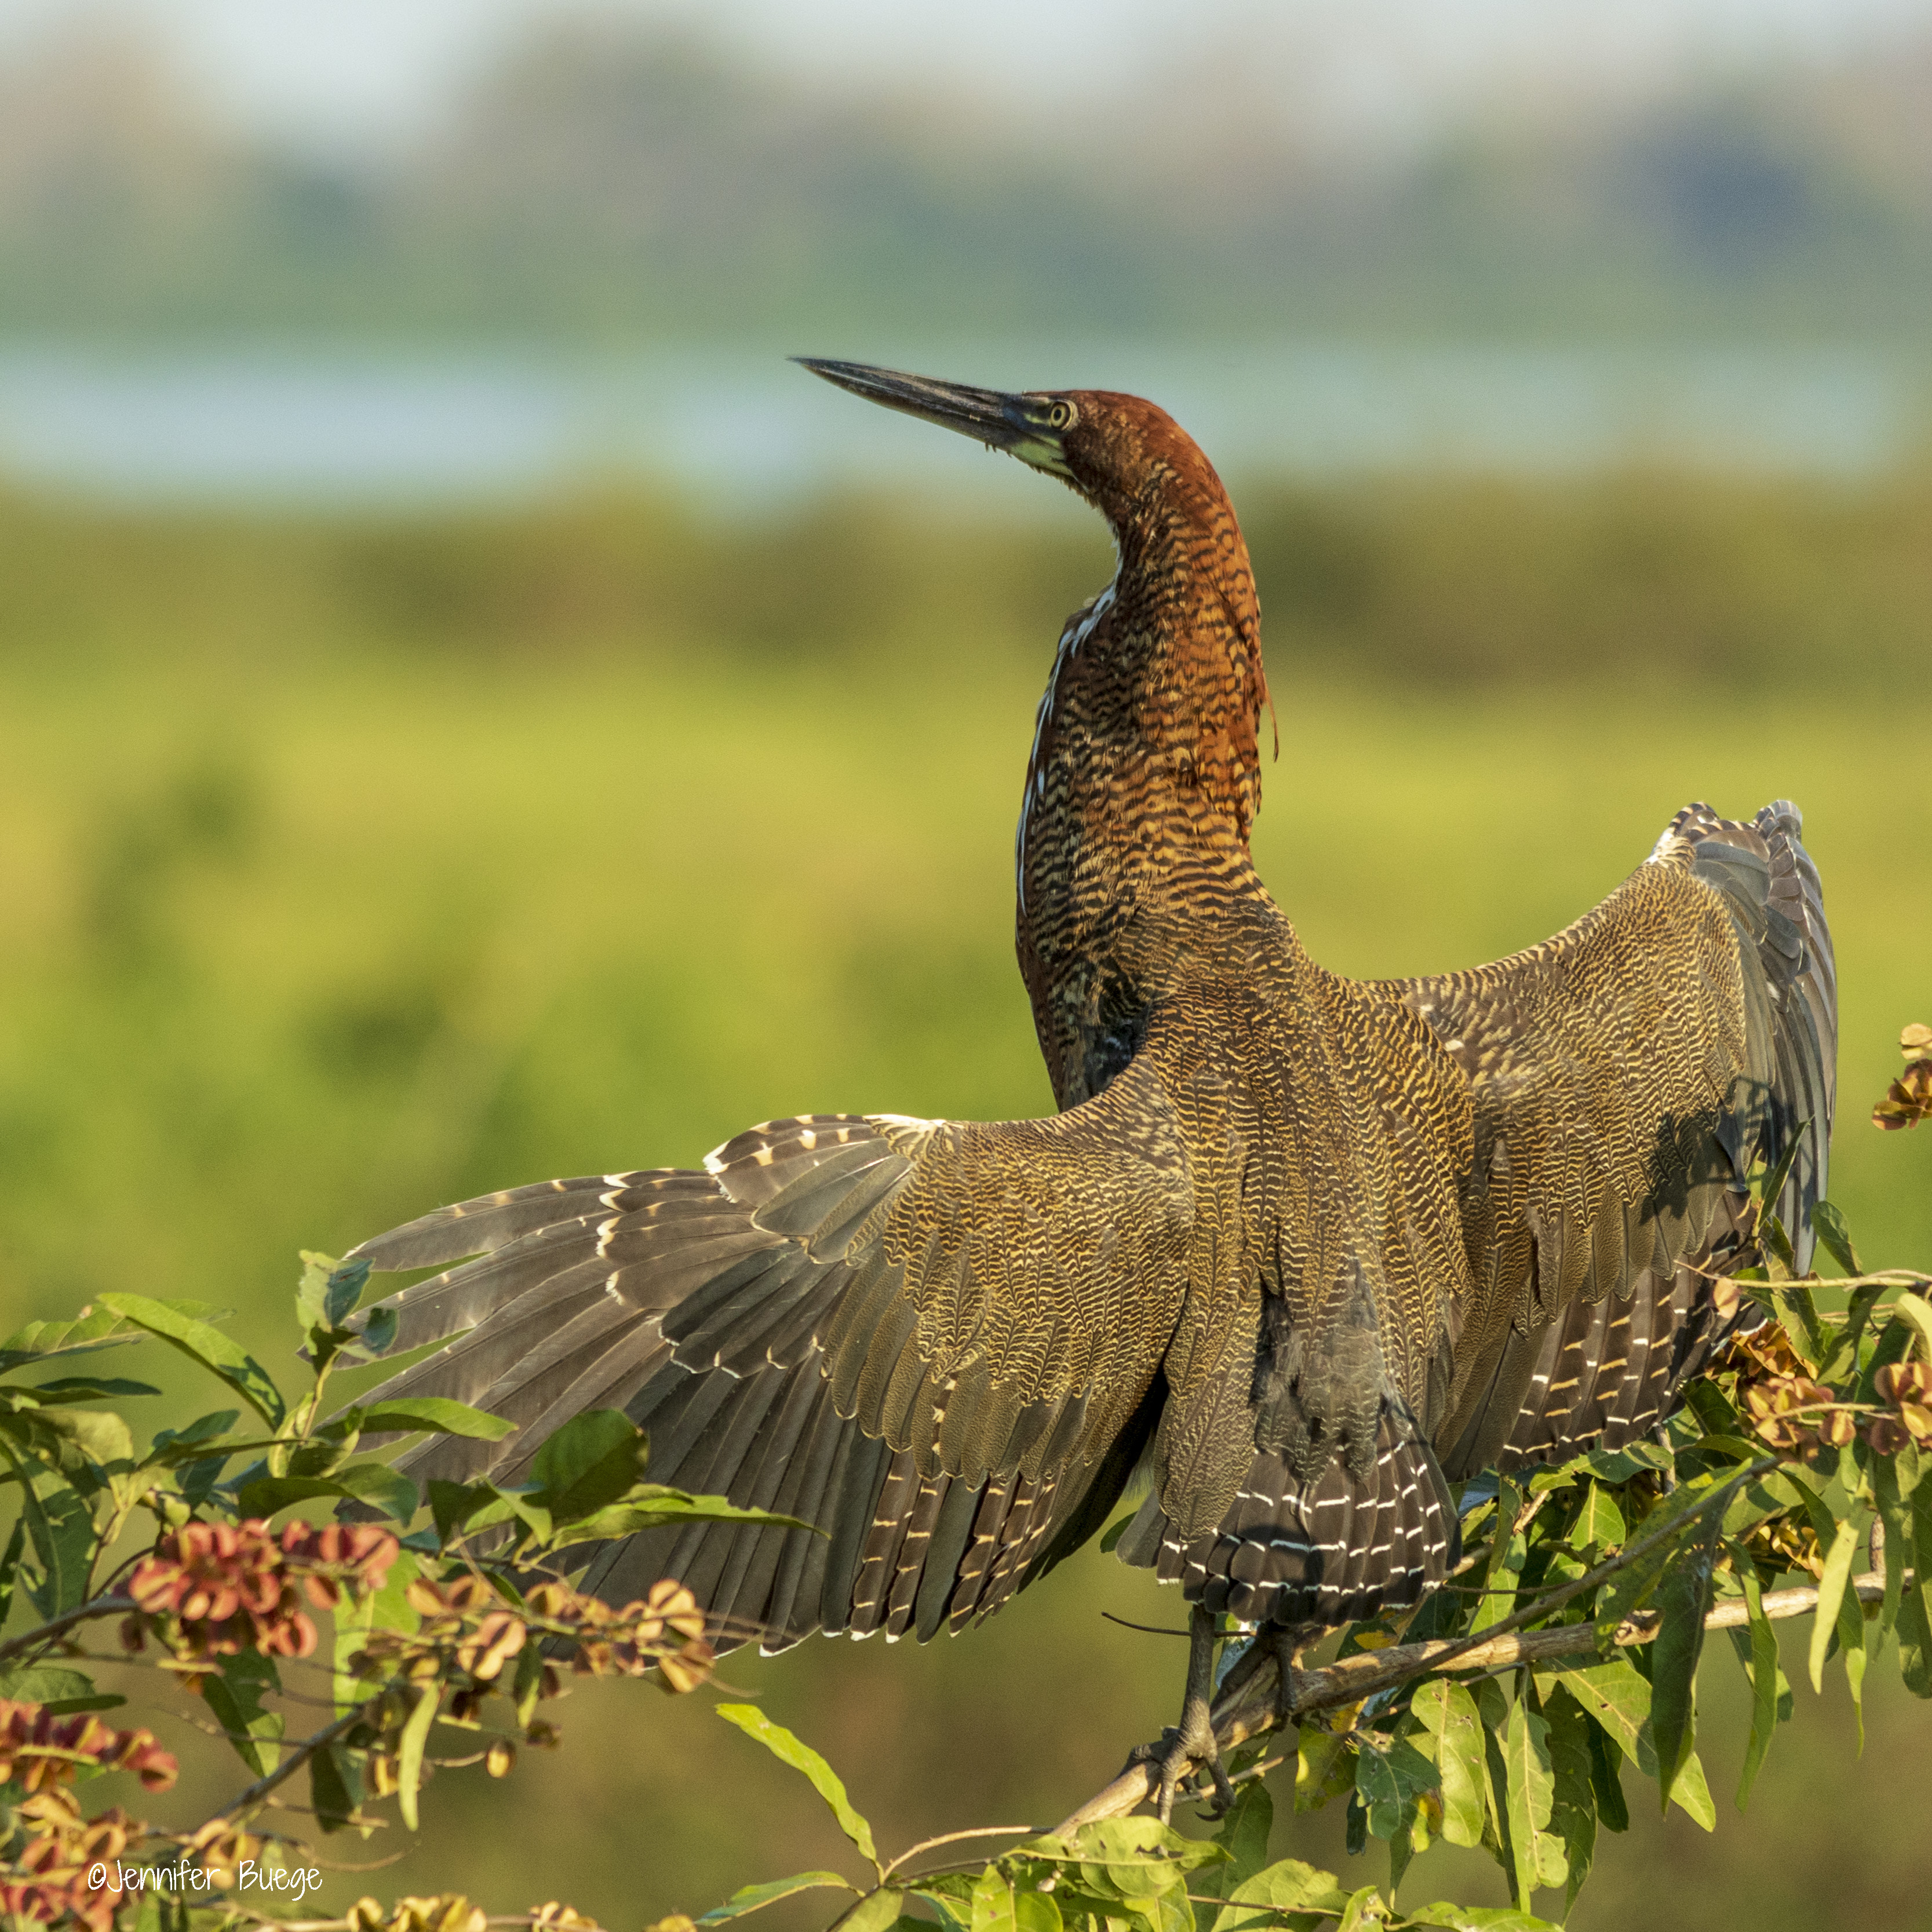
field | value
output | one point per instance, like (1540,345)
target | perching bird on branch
(1302,1251)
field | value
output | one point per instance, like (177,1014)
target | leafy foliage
(439,1630)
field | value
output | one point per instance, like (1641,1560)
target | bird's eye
(1060,414)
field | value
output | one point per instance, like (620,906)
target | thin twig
(299,1754)
(114,1606)
(953,1838)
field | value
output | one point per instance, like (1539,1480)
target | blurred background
(470,712)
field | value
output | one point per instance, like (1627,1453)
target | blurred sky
(342,77)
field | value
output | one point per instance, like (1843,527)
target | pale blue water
(302,426)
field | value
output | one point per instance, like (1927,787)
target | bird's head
(1110,448)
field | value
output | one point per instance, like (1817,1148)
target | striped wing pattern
(817,1325)
(1629,1076)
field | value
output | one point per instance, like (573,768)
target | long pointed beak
(1017,424)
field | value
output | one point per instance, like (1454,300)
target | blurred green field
(352,866)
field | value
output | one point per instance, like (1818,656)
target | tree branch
(1249,1703)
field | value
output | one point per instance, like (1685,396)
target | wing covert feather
(926,1336)
(1628,1075)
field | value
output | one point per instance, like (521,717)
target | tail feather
(1331,1551)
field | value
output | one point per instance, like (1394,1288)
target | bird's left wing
(935,1340)
(1628,1076)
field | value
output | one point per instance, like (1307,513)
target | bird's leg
(1288,1641)
(1189,1748)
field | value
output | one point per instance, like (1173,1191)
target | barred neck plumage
(1145,773)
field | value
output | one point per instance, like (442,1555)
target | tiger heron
(1301,1253)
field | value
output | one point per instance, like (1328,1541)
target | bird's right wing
(934,1340)
(1628,1077)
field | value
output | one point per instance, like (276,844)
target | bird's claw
(1180,1754)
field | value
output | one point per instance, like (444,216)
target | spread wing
(1627,1076)
(937,1341)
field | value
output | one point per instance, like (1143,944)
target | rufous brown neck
(1145,774)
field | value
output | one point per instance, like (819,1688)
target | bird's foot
(1180,1754)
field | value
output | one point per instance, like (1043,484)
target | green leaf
(874,1911)
(409,1748)
(751,1897)
(1454,1735)
(1389,1782)
(1619,1465)
(380,1487)
(990,1904)
(378,1332)
(41,1341)
(1256,1904)
(171,1446)
(591,1461)
(452,1505)
(334,1784)
(207,1346)
(1325,1767)
(1606,1779)
(1684,1598)
(88,1388)
(1914,1632)
(1758,1650)
(1830,1594)
(1914,1482)
(1532,1786)
(1614,1693)
(234,1699)
(328,1291)
(1834,1236)
(788,1750)
(61,1527)
(1691,1794)
(1715,1415)
(1503,1571)
(354,1618)
(1137,1863)
(83,1444)
(10,1568)
(1363,1912)
(375,1484)
(435,1413)
(265,1496)
(1492,1707)
(1898,1523)
(1600,1523)
(1918,1312)
(501,1506)
(1573,1804)
(650,1507)
(46,1683)
(1852,1646)
(1243,1835)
